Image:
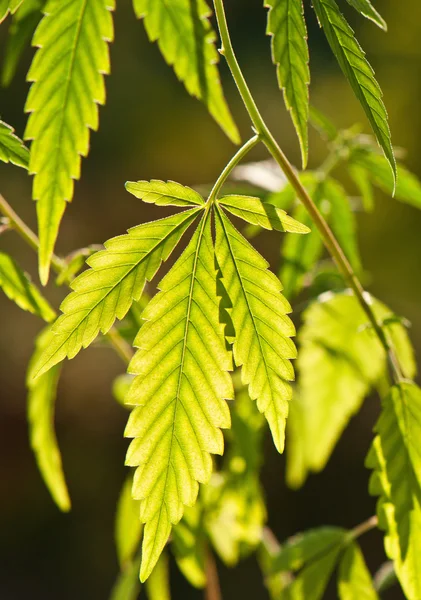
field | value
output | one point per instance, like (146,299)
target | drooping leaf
(357,70)
(287,26)
(262,346)
(179,392)
(187,42)
(106,291)
(164,193)
(255,211)
(68,74)
(339,360)
(189,545)
(12,149)
(158,583)
(18,287)
(396,461)
(365,8)
(7,6)
(42,394)
(354,579)
(23,25)
(128,528)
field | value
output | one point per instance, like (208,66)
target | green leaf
(12,149)
(128,528)
(323,124)
(287,26)
(396,461)
(262,346)
(68,74)
(408,186)
(362,180)
(75,263)
(116,278)
(365,8)
(254,211)
(275,583)
(354,579)
(42,394)
(158,584)
(357,70)
(121,386)
(164,193)
(7,6)
(23,25)
(179,392)
(339,360)
(312,581)
(189,545)
(18,287)
(127,586)
(187,42)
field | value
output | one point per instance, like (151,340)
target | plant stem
(363,527)
(213,589)
(118,343)
(329,239)
(245,149)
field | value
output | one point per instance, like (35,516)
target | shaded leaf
(354,579)
(7,6)
(128,528)
(127,586)
(158,584)
(189,545)
(12,149)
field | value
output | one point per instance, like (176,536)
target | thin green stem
(119,344)
(235,160)
(329,239)
(362,528)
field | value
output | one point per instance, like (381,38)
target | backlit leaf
(12,149)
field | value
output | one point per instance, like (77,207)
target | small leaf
(68,74)
(164,193)
(158,584)
(127,586)
(189,545)
(354,579)
(18,287)
(12,149)
(262,346)
(362,180)
(287,26)
(357,70)
(365,8)
(128,528)
(7,6)
(42,394)
(107,290)
(121,386)
(396,461)
(187,42)
(254,211)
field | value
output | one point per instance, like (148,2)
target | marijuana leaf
(354,579)
(365,8)
(7,6)
(164,194)
(12,149)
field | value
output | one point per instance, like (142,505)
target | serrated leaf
(339,360)
(354,579)
(68,74)
(42,394)
(189,545)
(18,287)
(287,26)
(164,193)
(116,278)
(187,42)
(12,149)
(158,583)
(75,263)
(357,70)
(395,459)
(179,392)
(263,346)
(365,8)
(255,211)
(128,528)
(7,6)
(20,32)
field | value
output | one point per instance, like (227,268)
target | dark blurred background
(151,128)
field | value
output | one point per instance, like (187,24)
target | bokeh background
(151,128)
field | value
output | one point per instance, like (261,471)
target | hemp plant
(213,347)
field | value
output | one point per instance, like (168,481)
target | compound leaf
(116,278)
(365,8)
(354,579)
(164,193)
(68,74)
(12,149)
(286,25)
(187,42)
(357,70)
(18,287)
(262,345)
(179,392)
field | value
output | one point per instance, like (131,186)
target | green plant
(219,307)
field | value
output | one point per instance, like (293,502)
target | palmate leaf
(7,6)
(396,461)
(41,400)
(179,392)
(164,193)
(107,290)
(68,74)
(365,8)
(12,149)
(286,25)
(262,345)
(18,287)
(187,42)
(354,579)
(357,70)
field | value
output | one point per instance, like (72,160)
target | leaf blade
(12,149)
(365,8)
(163,193)
(354,579)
